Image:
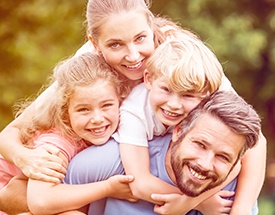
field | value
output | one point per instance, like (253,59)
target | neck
(168,165)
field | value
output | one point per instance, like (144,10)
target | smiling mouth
(136,66)
(99,130)
(168,113)
(197,175)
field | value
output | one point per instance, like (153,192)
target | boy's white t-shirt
(138,123)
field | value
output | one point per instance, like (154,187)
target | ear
(177,132)
(147,79)
(94,44)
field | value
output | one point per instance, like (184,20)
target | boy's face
(169,106)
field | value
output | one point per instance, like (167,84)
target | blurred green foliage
(36,35)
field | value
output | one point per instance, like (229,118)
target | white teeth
(134,66)
(98,130)
(197,175)
(170,114)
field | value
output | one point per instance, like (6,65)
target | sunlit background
(36,34)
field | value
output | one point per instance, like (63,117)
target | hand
(216,204)
(173,204)
(44,163)
(118,186)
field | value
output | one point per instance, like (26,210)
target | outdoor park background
(36,34)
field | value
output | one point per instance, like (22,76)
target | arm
(41,163)
(136,162)
(251,178)
(49,198)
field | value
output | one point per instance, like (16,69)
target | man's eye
(223,158)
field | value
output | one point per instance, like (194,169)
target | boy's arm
(136,162)
(48,198)
(251,178)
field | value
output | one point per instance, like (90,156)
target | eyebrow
(119,40)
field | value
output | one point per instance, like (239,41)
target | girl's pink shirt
(68,147)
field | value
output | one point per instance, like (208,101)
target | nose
(206,161)
(97,117)
(133,53)
(174,102)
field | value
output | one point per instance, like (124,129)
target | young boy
(180,73)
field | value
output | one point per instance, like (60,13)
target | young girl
(84,111)
(125,33)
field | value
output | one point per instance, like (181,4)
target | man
(204,149)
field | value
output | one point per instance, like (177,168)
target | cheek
(191,105)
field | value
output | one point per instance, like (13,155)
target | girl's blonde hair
(83,70)
(188,64)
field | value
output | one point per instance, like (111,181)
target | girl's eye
(108,105)
(83,110)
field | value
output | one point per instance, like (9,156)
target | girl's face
(169,106)
(94,112)
(126,41)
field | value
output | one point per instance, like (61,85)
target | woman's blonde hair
(98,11)
(188,64)
(83,70)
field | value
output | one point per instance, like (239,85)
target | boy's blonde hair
(187,63)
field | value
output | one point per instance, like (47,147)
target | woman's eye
(115,45)
(140,38)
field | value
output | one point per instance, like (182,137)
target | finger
(126,178)
(48,178)
(51,149)
(226,193)
(56,166)
(159,197)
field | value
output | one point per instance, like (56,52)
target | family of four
(142,120)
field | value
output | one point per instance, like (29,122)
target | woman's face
(126,41)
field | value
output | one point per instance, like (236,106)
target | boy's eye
(165,89)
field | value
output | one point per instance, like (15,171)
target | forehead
(97,91)
(124,25)
(217,136)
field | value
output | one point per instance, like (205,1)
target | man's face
(205,156)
